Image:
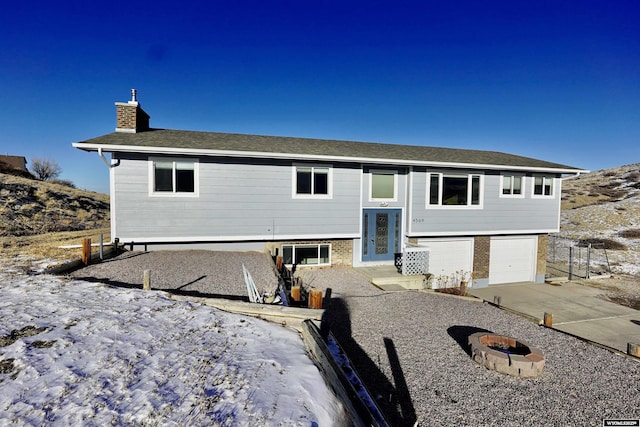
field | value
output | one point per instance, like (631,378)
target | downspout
(106,161)
(112,200)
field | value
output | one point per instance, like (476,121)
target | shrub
(65,182)
(610,185)
(608,244)
(632,233)
(633,176)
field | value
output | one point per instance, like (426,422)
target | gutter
(316,157)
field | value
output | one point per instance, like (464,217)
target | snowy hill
(605,205)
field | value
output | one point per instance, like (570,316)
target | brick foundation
(541,263)
(481,256)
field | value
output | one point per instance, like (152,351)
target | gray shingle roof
(272,145)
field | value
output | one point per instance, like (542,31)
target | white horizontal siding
(497,214)
(234,200)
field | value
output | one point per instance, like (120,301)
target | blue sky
(554,80)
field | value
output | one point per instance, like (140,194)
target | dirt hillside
(36,217)
(605,206)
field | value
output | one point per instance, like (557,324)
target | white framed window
(543,186)
(511,186)
(307,254)
(383,185)
(312,182)
(454,190)
(173,177)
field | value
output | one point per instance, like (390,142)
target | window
(312,181)
(173,177)
(543,186)
(383,185)
(512,186)
(306,254)
(454,190)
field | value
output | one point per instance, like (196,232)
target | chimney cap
(134,98)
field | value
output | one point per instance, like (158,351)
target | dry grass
(47,245)
(601,187)
(37,217)
(30,207)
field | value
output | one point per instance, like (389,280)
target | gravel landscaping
(410,347)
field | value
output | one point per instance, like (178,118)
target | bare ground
(619,289)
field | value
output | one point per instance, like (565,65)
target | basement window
(307,254)
(173,177)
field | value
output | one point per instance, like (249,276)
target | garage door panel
(448,256)
(512,260)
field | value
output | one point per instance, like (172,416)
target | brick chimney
(130,117)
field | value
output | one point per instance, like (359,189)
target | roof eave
(296,156)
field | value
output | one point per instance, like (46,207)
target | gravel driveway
(407,346)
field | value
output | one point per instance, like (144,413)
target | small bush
(65,182)
(609,173)
(610,185)
(461,291)
(633,177)
(608,244)
(633,233)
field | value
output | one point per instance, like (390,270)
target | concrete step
(406,282)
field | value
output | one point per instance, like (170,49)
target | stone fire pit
(506,355)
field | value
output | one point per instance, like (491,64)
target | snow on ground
(77,353)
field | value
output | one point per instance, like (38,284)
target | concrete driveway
(576,309)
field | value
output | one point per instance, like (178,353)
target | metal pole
(570,262)
(588,260)
(101,247)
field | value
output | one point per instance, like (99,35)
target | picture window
(454,190)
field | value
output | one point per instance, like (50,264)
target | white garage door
(446,256)
(513,259)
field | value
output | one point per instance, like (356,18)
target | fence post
(548,320)
(86,251)
(587,274)
(146,280)
(570,262)
(315,298)
(101,247)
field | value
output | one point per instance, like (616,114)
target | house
(13,163)
(328,203)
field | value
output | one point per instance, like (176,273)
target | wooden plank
(361,406)
(286,316)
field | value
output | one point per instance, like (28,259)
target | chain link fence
(576,258)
